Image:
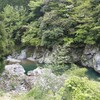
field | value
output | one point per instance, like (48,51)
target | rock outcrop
(22,55)
(12,60)
(91,57)
(45,78)
(88,56)
(14,79)
(16,58)
(67,54)
(15,70)
(96,62)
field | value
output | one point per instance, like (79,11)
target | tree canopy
(50,22)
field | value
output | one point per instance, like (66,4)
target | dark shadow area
(92,74)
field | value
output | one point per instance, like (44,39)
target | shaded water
(29,65)
(92,74)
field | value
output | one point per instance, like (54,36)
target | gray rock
(35,72)
(41,56)
(13,78)
(12,60)
(15,69)
(67,54)
(96,62)
(91,57)
(45,79)
(22,55)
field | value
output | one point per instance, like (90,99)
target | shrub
(77,88)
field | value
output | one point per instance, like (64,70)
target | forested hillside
(67,32)
(4,3)
(49,22)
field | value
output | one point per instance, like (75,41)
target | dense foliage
(59,22)
(77,88)
(3,3)
(50,22)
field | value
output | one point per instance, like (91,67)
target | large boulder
(12,79)
(22,55)
(96,62)
(44,78)
(15,69)
(91,57)
(16,58)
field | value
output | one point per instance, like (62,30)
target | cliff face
(91,57)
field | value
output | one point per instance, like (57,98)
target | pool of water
(29,65)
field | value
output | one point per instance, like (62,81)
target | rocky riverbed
(88,56)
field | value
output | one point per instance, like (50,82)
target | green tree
(77,88)
(14,23)
(3,3)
